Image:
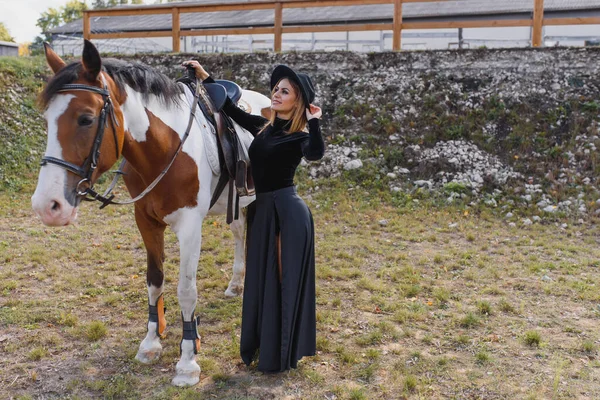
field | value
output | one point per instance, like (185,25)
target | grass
(95,331)
(374,309)
(532,338)
(469,321)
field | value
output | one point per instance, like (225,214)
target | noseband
(91,162)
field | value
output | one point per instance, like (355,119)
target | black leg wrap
(153,314)
(190,332)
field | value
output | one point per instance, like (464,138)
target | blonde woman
(278,316)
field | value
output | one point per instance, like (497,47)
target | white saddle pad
(210,137)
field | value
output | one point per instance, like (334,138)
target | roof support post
(397,34)
(86,25)
(538,22)
(176,30)
(278,26)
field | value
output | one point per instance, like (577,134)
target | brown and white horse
(148,115)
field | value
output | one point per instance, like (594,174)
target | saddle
(233,159)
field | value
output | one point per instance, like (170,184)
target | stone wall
(483,120)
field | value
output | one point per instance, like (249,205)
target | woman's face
(283,99)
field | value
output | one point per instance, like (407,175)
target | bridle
(91,162)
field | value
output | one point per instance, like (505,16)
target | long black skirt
(278,317)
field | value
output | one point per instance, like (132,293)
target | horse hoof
(234,291)
(148,352)
(187,376)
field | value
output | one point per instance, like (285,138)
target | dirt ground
(412,307)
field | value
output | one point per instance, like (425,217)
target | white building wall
(352,41)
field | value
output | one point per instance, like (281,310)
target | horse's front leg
(187,225)
(153,236)
(236,284)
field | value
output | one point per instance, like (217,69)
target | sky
(20,16)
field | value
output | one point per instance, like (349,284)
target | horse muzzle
(53,211)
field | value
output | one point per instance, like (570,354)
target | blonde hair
(298,120)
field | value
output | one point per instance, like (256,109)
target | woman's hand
(313,112)
(200,72)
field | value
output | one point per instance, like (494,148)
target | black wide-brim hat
(302,80)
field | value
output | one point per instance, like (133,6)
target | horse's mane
(140,77)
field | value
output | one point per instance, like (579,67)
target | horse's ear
(54,61)
(92,63)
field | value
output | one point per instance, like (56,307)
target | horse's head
(85,134)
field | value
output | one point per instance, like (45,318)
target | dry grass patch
(410,310)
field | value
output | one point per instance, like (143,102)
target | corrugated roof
(326,15)
(9,44)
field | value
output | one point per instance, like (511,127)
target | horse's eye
(85,120)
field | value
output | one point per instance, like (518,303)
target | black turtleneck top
(275,154)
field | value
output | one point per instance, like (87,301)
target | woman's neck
(286,116)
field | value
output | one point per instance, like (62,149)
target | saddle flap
(234,91)
(217,94)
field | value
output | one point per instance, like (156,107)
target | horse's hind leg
(236,284)
(153,236)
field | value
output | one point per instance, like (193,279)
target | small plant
(532,338)
(372,338)
(67,319)
(484,307)
(37,354)
(373,354)
(428,339)
(470,237)
(443,361)
(367,372)
(411,290)
(345,356)
(442,295)
(588,346)
(482,357)
(357,394)
(323,344)
(455,187)
(463,340)
(506,307)
(96,330)
(469,321)
(220,377)
(410,383)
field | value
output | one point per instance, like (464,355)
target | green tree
(113,3)
(48,20)
(73,10)
(5,34)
